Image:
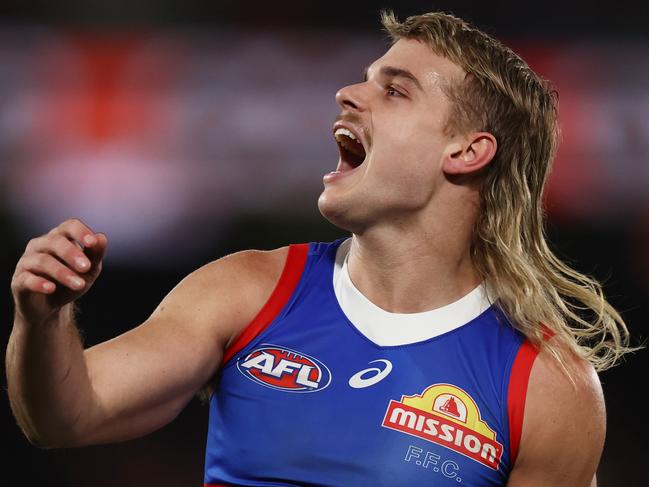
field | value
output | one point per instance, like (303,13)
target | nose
(351,97)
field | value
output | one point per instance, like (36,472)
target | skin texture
(412,203)
(131,385)
(563,427)
(410,206)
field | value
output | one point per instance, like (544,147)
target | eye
(391,91)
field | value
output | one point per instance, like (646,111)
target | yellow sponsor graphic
(453,403)
(445,414)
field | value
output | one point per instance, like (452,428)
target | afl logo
(284,369)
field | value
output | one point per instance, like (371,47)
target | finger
(50,268)
(31,282)
(97,251)
(61,247)
(75,229)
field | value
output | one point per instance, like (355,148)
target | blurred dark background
(188,130)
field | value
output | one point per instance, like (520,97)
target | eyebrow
(394,72)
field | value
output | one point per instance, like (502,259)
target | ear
(470,154)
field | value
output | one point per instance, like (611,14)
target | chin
(329,209)
(339,214)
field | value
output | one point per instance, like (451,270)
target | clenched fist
(57,268)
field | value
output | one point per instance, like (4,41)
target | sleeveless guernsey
(324,388)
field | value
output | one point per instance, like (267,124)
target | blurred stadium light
(148,135)
(163,123)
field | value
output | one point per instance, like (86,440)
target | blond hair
(500,94)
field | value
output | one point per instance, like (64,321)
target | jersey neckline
(384,328)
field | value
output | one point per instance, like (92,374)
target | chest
(317,404)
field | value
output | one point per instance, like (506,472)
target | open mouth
(352,152)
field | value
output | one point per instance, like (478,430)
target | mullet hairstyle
(500,94)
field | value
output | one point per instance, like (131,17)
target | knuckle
(69,222)
(60,242)
(16,281)
(75,226)
(77,223)
(50,242)
(32,283)
(55,231)
(62,276)
(59,247)
(31,244)
(21,282)
(25,280)
(40,260)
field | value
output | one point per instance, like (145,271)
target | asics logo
(369,377)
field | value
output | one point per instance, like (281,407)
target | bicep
(142,379)
(563,427)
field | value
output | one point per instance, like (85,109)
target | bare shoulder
(178,348)
(245,270)
(196,320)
(564,425)
(228,291)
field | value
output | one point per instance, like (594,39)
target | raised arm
(563,427)
(131,385)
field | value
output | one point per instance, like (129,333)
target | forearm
(47,378)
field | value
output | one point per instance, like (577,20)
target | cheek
(405,182)
(415,179)
(408,160)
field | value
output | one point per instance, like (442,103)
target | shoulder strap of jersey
(516,394)
(295,262)
(517,391)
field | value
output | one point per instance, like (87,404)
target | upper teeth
(348,141)
(344,131)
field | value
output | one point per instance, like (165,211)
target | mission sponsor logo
(446,415)
(284,369)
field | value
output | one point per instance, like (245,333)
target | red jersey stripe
(516,394)
(287,283)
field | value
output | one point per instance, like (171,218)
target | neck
(414,266)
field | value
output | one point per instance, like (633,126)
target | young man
(440,345)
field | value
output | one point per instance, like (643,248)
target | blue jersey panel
(312,402)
